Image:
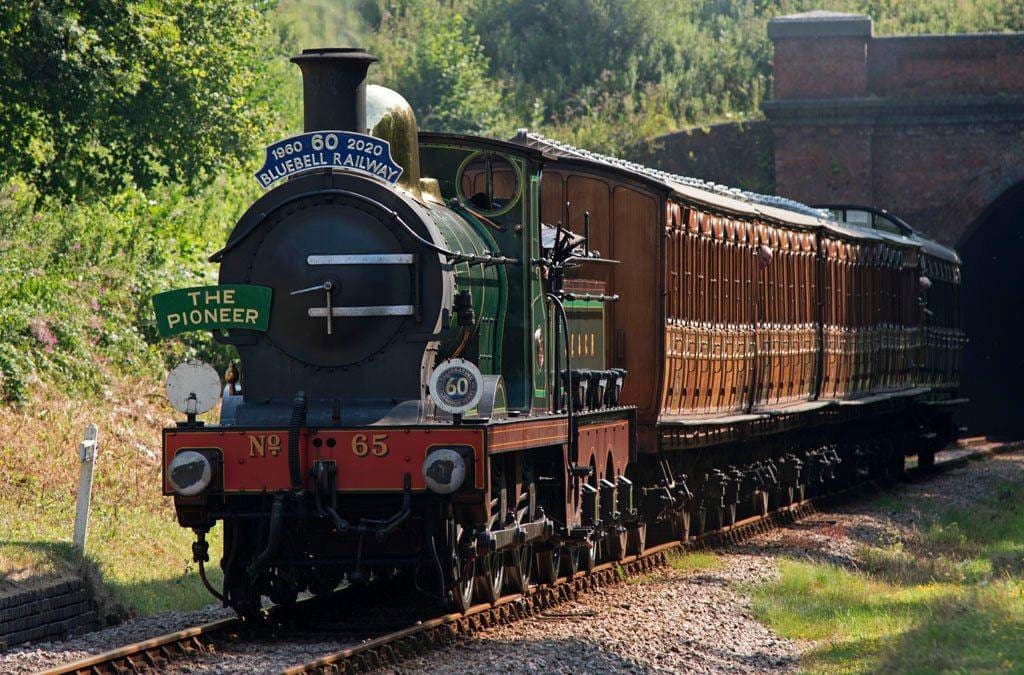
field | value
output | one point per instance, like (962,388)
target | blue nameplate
(328,149)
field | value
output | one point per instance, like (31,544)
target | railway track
(421,635)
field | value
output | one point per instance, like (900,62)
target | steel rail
(150,655)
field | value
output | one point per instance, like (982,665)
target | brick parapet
(931,130)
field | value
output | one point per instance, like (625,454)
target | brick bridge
(930,128)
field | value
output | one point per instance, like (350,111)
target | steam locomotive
(478,364)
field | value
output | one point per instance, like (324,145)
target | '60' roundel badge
(456,386)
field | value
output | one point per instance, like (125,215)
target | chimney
(334,88)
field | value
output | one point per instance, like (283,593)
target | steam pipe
(299,409)
(273,538)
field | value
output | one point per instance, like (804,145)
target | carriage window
(859,218)
(885,225)
(489,183)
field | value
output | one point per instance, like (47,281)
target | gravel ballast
(670,620)
(699,621)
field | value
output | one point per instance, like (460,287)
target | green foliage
(431,55)
(76,279)
(563,53)
(693,561)
(126,125)
(607,74)
(102,95)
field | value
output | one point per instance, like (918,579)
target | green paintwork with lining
(512,231)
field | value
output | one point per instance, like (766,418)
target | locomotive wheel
(490,578)
(461,578)
(282,591)
(617,544)
(545,565)
(636,540)
(518,565)
(242,592)
(323,580)
(243,596)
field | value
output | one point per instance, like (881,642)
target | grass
(693,561)
(137,557)
(950,597)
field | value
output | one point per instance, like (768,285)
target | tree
(96,95)
(561,54)
(431,55)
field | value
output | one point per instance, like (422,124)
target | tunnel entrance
(992,304)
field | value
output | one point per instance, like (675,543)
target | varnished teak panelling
(723,315)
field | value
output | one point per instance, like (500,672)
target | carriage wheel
(617,544)
(587,555)
(637,539)
(761,503)
(545,566)
(569,561)
(680,525)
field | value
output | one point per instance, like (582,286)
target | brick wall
(737,154)
(929,127)
(836,67)
(950,65)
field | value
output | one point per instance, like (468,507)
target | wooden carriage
(736,308)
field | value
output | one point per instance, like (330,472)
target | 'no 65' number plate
(374,444)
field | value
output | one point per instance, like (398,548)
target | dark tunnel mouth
(992,313)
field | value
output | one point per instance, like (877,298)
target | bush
(431,55)
(77,279)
